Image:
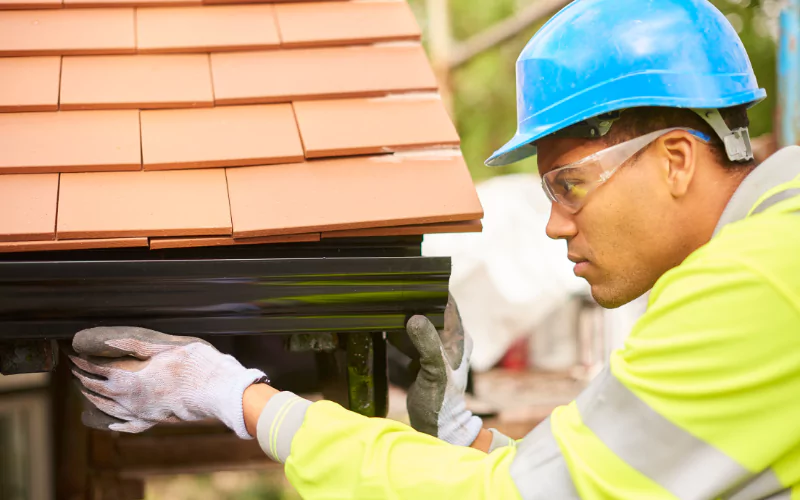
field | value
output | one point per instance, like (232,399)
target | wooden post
(70,437)
(439,44)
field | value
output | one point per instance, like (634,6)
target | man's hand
(435,402)
(137,378)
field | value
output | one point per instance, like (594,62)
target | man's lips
(576,258)
(581,264)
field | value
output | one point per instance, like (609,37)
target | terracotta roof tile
(43,246)
(69,141)
(283,75)
(200,29)
(136,81)
(222,2)
(29,83)
(29,4)
(66,31)
(364,126)
(350,193)
(130,3)
(119,204)
(472,226)
(221,241)
(221,136)
(28,207)
(329,23)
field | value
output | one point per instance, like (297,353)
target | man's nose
(561,225)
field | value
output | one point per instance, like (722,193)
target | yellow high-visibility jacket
(703,401)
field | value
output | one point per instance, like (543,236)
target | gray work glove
(137,378)
(436,403)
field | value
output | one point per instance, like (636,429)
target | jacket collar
(780,168)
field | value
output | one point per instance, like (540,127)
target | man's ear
(679,152)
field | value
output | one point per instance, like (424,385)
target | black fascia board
(53,299)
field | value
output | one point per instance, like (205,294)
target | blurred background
(538,336)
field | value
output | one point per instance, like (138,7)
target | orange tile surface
(44,246)
(221,136)
(28,207)
(364,126)
(161,243)
(29,4)
(66,31)
(203,29)
(284,75)
(130,3)
(120,204)
(180,123)
(69,141)
(223,2)
(136,81)
(29,83)
(350,193)
(473,226)
(329,23)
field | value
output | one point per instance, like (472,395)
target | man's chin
(608,298)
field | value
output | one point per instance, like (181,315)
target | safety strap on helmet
(736,141)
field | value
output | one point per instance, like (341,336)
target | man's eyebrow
(557,167)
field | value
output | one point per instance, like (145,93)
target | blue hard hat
(600,56)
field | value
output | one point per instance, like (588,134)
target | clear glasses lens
(570,185)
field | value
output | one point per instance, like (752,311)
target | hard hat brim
(522,145)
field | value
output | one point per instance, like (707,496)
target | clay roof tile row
(199,80)
(83,141)
(247,202)
(200,28)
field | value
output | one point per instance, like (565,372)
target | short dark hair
(634,122)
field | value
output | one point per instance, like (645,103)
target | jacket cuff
(500,440)
(279,422)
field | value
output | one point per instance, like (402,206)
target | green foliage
(484,95)
(763,53)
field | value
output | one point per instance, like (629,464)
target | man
(637,110)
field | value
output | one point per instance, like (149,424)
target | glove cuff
(459,427)
(500,440)
(231,412)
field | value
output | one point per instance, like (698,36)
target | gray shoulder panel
(539,469)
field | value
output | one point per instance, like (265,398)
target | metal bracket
(316,342)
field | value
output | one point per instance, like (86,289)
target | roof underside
(175,123)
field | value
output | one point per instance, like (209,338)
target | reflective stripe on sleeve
(682,464)
(775,199)
(761,486)
(783,495)
(539,469)
(279,421)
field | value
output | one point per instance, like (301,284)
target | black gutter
(49,299)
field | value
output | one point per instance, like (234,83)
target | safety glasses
(571,184)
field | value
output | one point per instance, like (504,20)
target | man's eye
(573,187)
(569,184)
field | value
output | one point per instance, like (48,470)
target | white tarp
(509,278)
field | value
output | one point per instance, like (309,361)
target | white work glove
(138,378)
(436,404)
